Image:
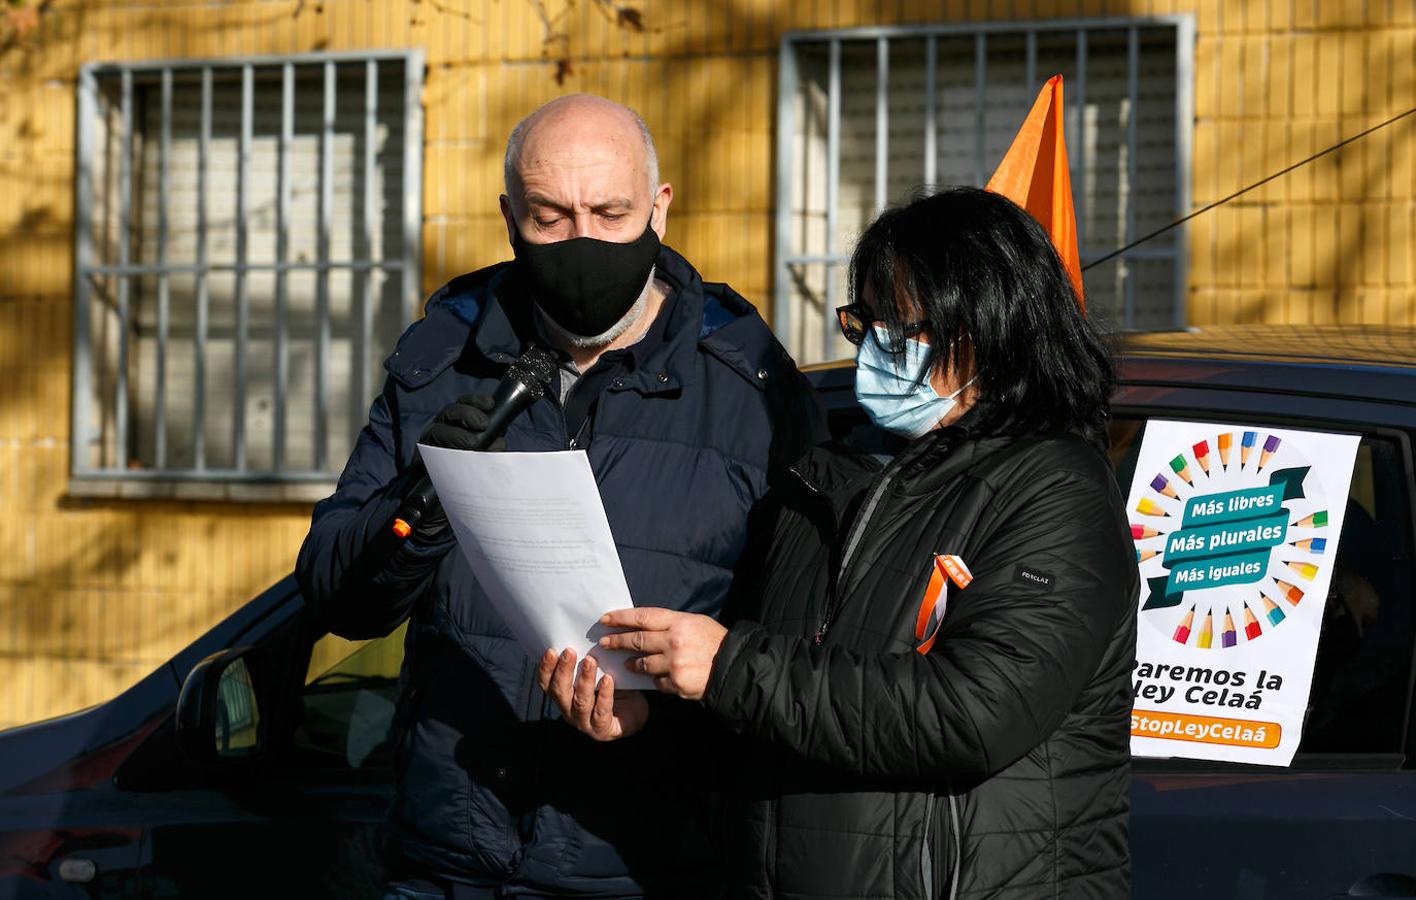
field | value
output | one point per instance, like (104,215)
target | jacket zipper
(536,711)
(835,526)
(406,717)
(852,543)
(573,443)
(526,821)
(926,856)
(957,834)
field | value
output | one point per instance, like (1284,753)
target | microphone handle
(510,399)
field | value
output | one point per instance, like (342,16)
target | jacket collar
(484,319)
(842,469)
(663,360)
(504,328)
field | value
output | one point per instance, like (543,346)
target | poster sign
(1236,530)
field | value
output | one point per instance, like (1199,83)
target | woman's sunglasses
(856,320)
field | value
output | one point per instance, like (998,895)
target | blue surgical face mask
(895,390)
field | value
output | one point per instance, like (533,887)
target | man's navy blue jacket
(492,788)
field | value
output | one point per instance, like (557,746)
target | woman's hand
(678,648)
(597,711)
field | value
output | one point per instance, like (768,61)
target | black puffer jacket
(997,764)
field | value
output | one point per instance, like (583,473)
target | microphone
(524,383)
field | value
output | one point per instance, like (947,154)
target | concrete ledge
(200,491)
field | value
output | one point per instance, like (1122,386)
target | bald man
(688,409)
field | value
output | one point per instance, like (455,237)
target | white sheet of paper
(533,529)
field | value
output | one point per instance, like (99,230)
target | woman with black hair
(928,668)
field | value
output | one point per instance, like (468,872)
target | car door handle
(1389,885)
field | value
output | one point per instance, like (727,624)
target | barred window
(247,253)
(866,116)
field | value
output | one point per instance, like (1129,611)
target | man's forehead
(576,152)
(598,174)
(608,200)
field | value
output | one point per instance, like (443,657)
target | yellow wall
(93,594)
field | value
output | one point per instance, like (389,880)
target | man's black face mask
(587,285)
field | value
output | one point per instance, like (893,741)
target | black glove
(458,426)
(461,423)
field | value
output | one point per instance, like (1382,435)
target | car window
(1362,671)
(349,694)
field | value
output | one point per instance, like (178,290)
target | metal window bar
(1030,63)
(282,255)
(164,181)
(203,295)
(1133,78)
(790,85)
(243,300)
(84,139)
(1184,116)
(833,187)
(882,121)
(980,104)
(311,266)
(931,101)
(1079,173)
(91,268)
(413,181)
(125,220)
(359,398)
(789,76)
(322,325)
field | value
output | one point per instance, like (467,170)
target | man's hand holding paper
(533,530)
(596,709)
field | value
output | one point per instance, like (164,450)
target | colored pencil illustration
(1288,591)
(1206,632)
(1143,555)
(1202,456)
(1161,485)
(1252,629)
(1141,532)
(1246,446)
(1183,629)
(1270,446)
(1228,638)
(1182,632)
(1272,610)
(1225,441)
(1318,519)
(1306,571)
(1182,469)
(1148,507)
(1312,545)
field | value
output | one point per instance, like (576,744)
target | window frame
(238,482)
(788,85)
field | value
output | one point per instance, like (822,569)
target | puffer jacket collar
(843,469)
(489,320)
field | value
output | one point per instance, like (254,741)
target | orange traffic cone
(1034,175)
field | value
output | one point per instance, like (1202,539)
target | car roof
(1338,361)
(1382,346)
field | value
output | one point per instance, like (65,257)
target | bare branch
(630,18)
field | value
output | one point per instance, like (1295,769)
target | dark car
(259,756)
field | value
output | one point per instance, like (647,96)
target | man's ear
(659,215)
(510,218)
